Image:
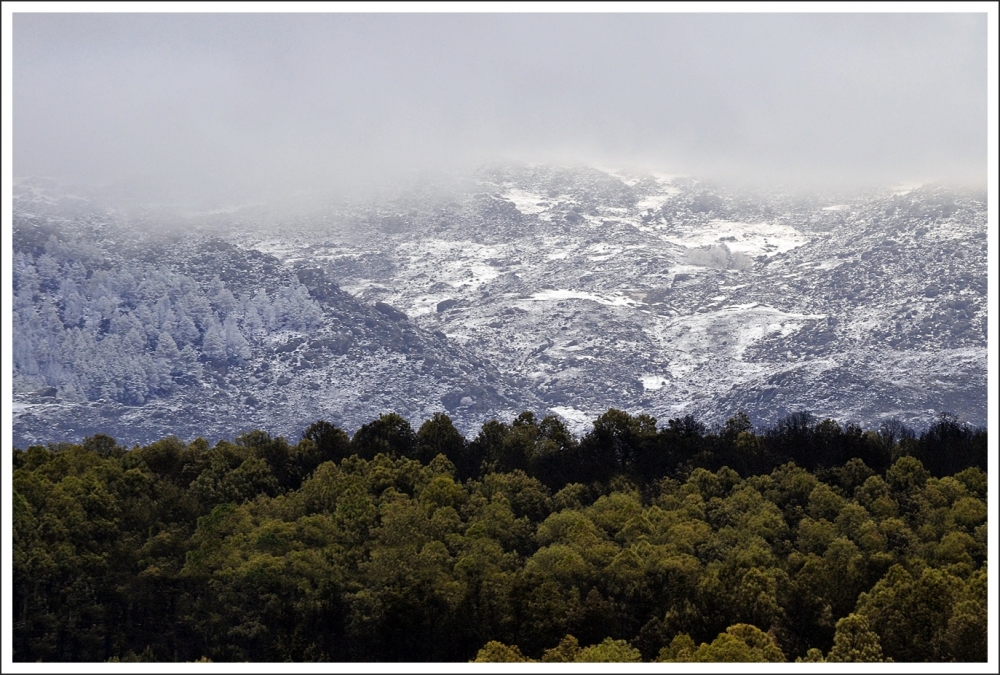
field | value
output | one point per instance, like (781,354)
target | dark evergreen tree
(332,443)
(948,446)
(390,434)
(439,436)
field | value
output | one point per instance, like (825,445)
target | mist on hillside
(210,109)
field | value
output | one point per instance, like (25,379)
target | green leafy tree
(609,651)
(681,648)
(262,551)
(910,613)
(854,642)
(498,652)
(740,643)
(965,637)
(813,655)
(565,652)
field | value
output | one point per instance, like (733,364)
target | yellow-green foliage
(178,552)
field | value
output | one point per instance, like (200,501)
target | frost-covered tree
(265,309)
(163,311)
(213,342)
(196,306)
(237,347)
(26,283)
(23,347)
(166,349)
(106,307)
(183,329)
(298,310)
(189,362)
(253,322)
(221,298)
(74,309)
(124,285)
(709,256)
(48,272)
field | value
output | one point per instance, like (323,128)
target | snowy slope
(565,291)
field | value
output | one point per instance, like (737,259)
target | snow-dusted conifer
(184,331)
(163,310)
(197,307)
(48,272)
(253,323)
(265,308)
(222,299)
(166,349)
(213,342)
(26,282)
(299,311)
(189,362)
(237,347)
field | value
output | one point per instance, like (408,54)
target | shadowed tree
(487,449)
(390,435)
(948,446)
(555,459)
(439,436)
(332,443)
(615,442)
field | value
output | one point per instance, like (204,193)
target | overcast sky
(286,99)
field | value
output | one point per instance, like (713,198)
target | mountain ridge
(559,290)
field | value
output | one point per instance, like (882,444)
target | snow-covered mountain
(559,290)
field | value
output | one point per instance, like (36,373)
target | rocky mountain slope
(559,290)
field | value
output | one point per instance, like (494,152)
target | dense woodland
(131,332)
(809,540)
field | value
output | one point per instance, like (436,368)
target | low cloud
(226,103)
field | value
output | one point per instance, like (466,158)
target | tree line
(635,542)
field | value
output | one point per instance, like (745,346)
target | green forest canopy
(809,540)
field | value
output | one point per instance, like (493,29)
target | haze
(241,103)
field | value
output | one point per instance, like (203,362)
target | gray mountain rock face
(559,290)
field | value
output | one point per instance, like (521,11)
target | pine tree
(222,299)
(237,347)
(213,342)
(854,642)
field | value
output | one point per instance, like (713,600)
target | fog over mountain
(217,104)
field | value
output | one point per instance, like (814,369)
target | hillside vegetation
(809,540)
